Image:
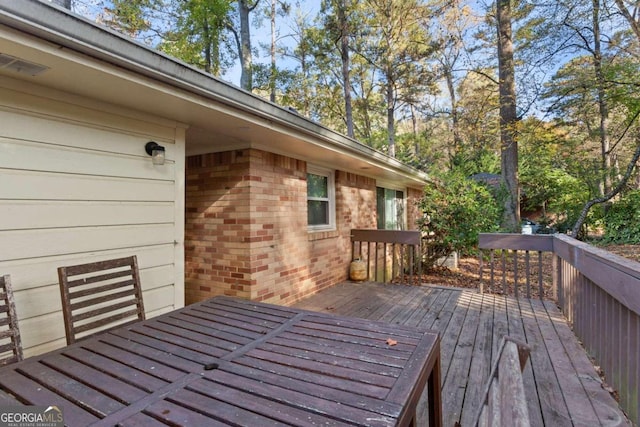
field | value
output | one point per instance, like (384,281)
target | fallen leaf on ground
(391,341)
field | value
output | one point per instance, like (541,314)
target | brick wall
(246,227)
(413,208)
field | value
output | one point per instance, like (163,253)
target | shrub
(622,220)
(455,210)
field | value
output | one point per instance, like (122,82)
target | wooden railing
(515,264)
(599,294)
(390,255)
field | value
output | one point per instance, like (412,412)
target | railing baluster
(401,255)
(540,287)
(515,272)
(481,265)
(492,271)
(368,260)
(412,256)
(504,272)
(527,267)
(398,247)
(375,271)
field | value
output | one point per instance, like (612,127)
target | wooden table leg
(435,399)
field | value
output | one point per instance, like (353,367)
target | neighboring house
(253,200)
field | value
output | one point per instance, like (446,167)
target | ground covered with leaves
(467,275)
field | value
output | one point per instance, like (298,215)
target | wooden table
(230,361)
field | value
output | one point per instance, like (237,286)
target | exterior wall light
(156,151)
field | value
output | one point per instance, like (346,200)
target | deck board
(516,330)
(562,386)
(480,365)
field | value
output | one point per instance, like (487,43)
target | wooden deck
(562,386)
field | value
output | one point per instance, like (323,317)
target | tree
(636,155)
(449,33)
(298,89)
(245,7)
(479,124)
(508,116)
(617,189)
(197,34)
(344,56)
(337,14)
(633,18)
(276,8)
(131,17)
(603,106)
(397,45)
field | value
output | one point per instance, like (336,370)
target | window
(390,209)
(320,199)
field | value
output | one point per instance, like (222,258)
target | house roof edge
(57,25)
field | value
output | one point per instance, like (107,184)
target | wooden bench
(504,401)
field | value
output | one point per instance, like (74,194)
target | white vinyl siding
(77,186)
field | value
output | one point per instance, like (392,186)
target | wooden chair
(10,343)
(505,403)
(100,295)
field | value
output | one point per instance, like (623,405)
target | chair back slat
(10,341)
(99,295)
(505,402)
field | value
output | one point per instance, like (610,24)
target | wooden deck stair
(562,386)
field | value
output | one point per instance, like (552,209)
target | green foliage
(198,33)
(568,201)
(455,210)
(549,184)
(130,17)
(622,220)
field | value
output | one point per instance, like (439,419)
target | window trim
(331,198)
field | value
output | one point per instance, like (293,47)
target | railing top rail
(387,236)
(616,275)
(520,242)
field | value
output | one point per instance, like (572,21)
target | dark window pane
(318,212)
(317,186)
(380,207)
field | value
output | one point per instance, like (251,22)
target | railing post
(481,265)
(556,268)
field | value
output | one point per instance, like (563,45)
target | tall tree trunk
(344,55)
(603,108)
(272,77)
(508,117)
(207,48)
(455,119)
(390,117)
(246,80)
